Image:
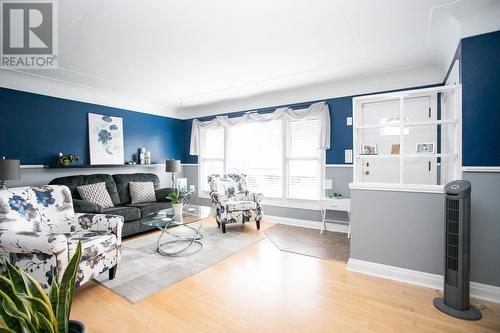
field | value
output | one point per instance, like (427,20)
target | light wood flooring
(262,289)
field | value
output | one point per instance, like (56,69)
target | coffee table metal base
(188,241)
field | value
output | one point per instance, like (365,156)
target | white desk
(343,205)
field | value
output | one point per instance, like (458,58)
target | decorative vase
(177,208)
(76,326)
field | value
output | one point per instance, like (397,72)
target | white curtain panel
(317,110)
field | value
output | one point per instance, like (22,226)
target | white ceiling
(178,56)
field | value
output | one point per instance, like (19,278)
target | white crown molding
(480,169)
(478,290)
(37,84)
(364,84)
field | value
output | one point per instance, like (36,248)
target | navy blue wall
(480,73)
(35,128)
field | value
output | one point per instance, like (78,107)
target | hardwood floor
(262,289)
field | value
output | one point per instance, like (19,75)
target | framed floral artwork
(105,139)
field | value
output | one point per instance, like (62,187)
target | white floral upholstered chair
(39,232)
(233,202)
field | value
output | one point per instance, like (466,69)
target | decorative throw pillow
(142,192)
(96,193)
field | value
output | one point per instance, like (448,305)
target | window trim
(284,201)
(401,95)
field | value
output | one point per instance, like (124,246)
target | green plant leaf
(54,295)
(45,324)
(6,330)
(17,278)
(36,289)
(11,322)
(8,288)
(23,318)
(66,289)
(43,308)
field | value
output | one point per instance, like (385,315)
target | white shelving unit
(431,115)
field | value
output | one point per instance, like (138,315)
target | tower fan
(456,299)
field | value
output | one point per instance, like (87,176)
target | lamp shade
(10,170)
(173,166)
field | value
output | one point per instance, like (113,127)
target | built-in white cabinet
(409,139)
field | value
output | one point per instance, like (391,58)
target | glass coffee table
(191,220)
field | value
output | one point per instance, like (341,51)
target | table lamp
(173,166)
(9,170)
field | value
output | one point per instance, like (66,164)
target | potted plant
(175,199)
(26,307)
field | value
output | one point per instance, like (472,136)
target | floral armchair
(39,232)
(233,202)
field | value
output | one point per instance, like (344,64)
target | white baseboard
(337,227)
(434,281)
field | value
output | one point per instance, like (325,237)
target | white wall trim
(481,169)
(341,226)
(397,187)
(478,290)
(189,164)
(338,165)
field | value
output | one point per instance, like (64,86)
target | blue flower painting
(105,139)
(104,136)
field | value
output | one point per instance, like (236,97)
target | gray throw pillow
(142,192)
(96,193)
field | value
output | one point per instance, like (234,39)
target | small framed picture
(395,149)
(423,148)
(369,150)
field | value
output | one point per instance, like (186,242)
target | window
(303,159)
(255,149)
(421,152)
(212,160)
(281,157)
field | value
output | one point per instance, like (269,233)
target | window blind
(303,159)
(256,149)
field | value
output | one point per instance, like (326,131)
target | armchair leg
(258,224)
(112,272)
(223,225)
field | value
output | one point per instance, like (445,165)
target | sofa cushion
(122,184)
(232,206)
(128,213)
(96,193)
(150,207)
(142,192)
(72,182)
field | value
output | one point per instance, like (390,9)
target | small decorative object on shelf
(395,149)
(369,150)
(142,156)
(66,159)
(148,157)
(423,148)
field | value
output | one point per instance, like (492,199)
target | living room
(320,166)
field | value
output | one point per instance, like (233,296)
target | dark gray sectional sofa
(118,188)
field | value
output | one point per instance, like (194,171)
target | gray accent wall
(341,176)
(406,229)
(41,176)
